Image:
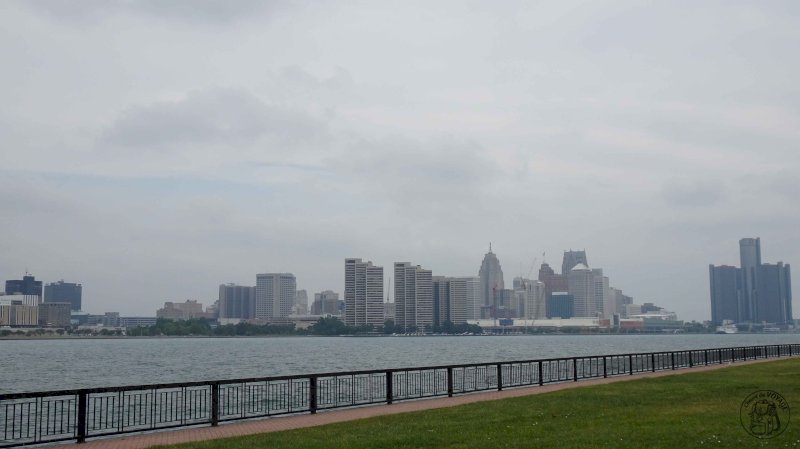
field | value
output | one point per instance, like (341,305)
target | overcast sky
(152,149)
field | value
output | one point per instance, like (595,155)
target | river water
(38,365)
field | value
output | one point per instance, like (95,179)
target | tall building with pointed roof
(572,258)
(491,275)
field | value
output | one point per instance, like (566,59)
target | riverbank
(687,408)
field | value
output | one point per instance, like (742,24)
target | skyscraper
(237,302)
(572,258)
(441,299)
(473,299)
(531,298)
(363,293)
(325,303)
(774,294)
(725,282)
(28,285)
(750,255)
(754,293)
(602,294)
(491,275)
(452,299)
(275,294)
(64,292)
(580,280)
(413,297)
(552,282)
(301,302)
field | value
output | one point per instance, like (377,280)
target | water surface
(36,365)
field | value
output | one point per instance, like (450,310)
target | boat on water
(727,328)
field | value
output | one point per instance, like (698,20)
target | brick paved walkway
(141,441)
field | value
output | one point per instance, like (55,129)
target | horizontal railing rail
(78,414)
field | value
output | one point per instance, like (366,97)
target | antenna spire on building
(490,246)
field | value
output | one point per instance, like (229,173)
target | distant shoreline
(150,337)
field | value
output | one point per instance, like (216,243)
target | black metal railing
(50,416)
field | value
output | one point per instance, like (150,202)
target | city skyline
(278,295)
(176,148)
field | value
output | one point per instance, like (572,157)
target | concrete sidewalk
(276,424)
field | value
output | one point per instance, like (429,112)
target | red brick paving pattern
(241,428)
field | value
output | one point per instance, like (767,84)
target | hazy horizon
(152,150)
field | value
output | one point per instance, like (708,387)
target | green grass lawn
(688,410)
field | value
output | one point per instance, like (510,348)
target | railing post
(450,381)
(733,355)
(574,369)
(605,374)
(541,378)
(705,356)
(312,394)
(389,393)
(672,356)
(653,362)
(215,404)
(790,350)
(691,361)
(81,424)
(630,364)
(499,377)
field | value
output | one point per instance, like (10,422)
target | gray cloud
(421,173)
(693,193)
(203,11)
(341,132)
(216,116)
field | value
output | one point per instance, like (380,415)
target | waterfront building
(754,293)
(55,314)
(530,298)
(363,293)
(633,310)
(621,301)
(725,282)
(177,310)
(112,319)
(441,299)
(572,258)
(504,304)
(560,305)
(326,303)
(236,302)
(474,296)
(137,321)
(18,298)
(301,303)
(536,301)
(413,297)
(451,299)
(581,285)
(18,312)
(774,303)
(491,275)
(64,292)
(28,285)
(552,282)
(750,257)
(275,295)
(602,294)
